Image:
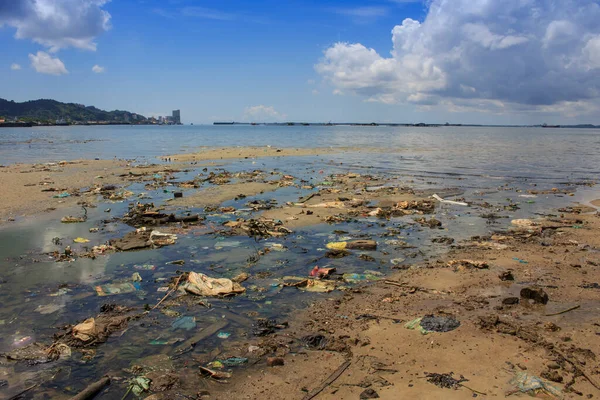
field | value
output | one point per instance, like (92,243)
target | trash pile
(143,238)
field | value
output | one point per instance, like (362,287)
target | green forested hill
(52,110)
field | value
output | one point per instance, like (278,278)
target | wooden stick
(92,390)
(577,368)
(169,293)
(402,285)
(564,311)
(18,395)
(328,382)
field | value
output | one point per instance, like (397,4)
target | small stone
(552,375)
(506,276)
(510,301)
(535,293)
(275,361)
(369,394)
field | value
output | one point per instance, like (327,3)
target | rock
(535,293)
(369,394)
(506,276)
(510,301)
(275,361)
(552,375)
(553,365)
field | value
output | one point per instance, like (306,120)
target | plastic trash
(533,386)
(117,288)
(145,267)
(521,261)
(356,278)
(81,240)
(86,330)
(61,195)
(234,361)
(140,385)
(456,203)
(186,323)
(223,335)
(136,277)
(203,285)
(337,245)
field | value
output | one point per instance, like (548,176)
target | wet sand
(364,325)
(210,153)
(494,342)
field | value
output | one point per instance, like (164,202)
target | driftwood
(328,382)
(92,390)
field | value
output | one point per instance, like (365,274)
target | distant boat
(550,126)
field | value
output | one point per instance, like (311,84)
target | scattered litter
(72,220)
(186,323)
(445,381)
(321,272)
(81,240)
(140,385)
(532,385)
(520,261)
(218,375)
(357,278)
(145,267)
(462,265)
(203,285)
(176,262)
(234,361)
(223,335)
(85,331)
(430,324)
(136,277)
(61,195)
(48,308)
(524,223)
(117,288)
(263,326)
(456,203)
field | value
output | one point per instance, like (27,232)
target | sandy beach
(519,302)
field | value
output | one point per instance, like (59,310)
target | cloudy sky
(458,61)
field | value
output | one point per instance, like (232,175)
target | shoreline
(435,272)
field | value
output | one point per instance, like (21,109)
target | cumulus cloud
(263,113)
(56,24)
(538,53)
(15,67)
(98,69)
(44,63)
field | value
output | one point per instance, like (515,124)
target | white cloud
(263,113)
(56,24)
(44,63)
(15,67)
(98,69)
(488,53)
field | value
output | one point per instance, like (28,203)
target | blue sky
(470,61)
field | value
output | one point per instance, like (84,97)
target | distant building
(177,117)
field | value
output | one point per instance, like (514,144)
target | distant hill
(45,110)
